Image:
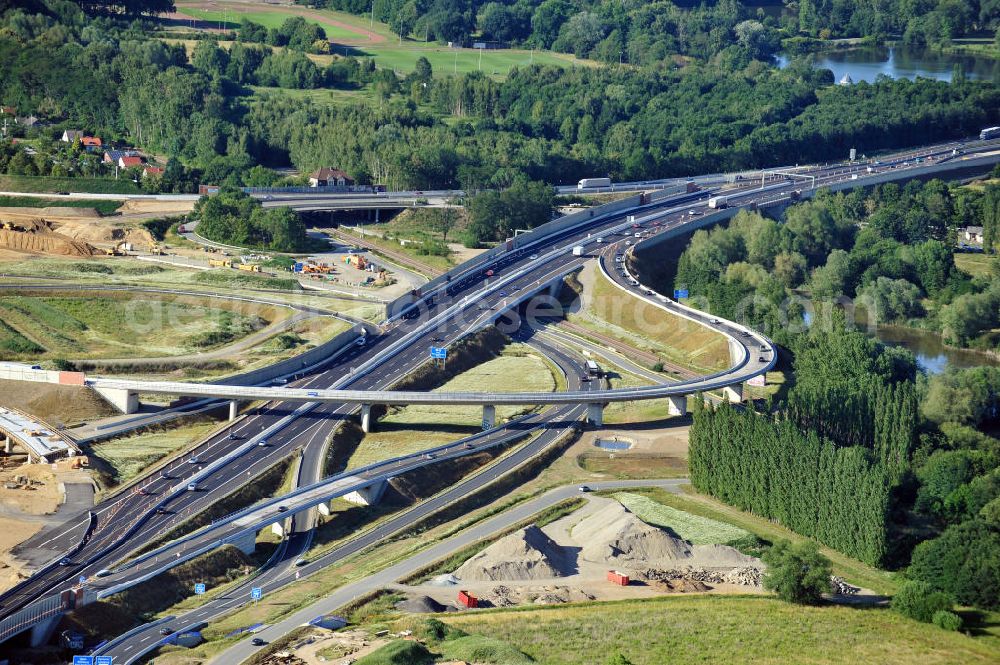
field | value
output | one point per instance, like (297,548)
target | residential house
(91,143)
(327,177)
(128,161)
(112,156)
(71,135)
(8,110)
(152,170)
(974,234)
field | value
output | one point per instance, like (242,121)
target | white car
(192,487)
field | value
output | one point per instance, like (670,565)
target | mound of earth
(98,231)
(526,554)
(420,605)
(613,534)
(37,236)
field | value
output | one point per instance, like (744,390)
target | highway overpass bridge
(463,300)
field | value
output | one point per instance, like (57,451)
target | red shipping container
(72,378)
(618,578)
(467,599)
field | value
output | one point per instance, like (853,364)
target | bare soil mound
(36,236)
(613,534)
(526,554)
(96,231)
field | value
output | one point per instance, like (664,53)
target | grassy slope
(693,528)
(24,183)
(418,427)
(128,456)
(268,19)
(102,206)
(723,629)
(977,265)
(613,312)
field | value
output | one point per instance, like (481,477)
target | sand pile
(613,535)
(104,232)
(526,554)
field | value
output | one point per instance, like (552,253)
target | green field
(26,183)
(977,265)
(446,61)
(723,629)
(102,206)
(692,528)
(110,327)
(414,428)
(230,20)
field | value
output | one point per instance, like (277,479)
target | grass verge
(103,207)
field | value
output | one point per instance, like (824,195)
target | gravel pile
(420,605)
(526,554)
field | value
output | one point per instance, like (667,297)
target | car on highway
(503,294)
(194,460)
(257,642)
(762,359)
(312,393)
(166,631)
(262,443)
(584,488)
(585,377)
(429,455)
(65,562)
(715,322)
(282,509)
(192,487)
(104,572)
(600,240)
(301,561)
(533,257)
(692,212)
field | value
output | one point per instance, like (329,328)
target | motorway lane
(53,579)
(559,421)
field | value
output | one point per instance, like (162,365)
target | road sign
(256,592)
(199,588)
(104,660)
(680,293)
(83,579)
(83,660)
(439,352)
(487,425)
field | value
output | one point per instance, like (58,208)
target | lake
(866,64)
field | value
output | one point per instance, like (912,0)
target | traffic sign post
(104,660)
(199,588)
(83,660)
(255,594)
(439,353)
(680,293)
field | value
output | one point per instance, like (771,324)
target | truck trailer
(586,183)
(718,202)
(578,250)
(989,133)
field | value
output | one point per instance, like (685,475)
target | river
(867,63)
(932,356)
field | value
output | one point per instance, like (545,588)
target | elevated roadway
(431,319)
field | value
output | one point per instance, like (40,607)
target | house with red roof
(128,161)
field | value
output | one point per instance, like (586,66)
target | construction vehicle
(356,260)
(220,263)
(112,251)
(248,267)
(155,250)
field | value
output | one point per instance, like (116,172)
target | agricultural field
(977,265)
(692,528)
(227,16)
(409,429)
(445,61)
(70,326)
(722,629)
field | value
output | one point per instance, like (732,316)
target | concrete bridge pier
(489,416)
(41,632)
(8,443)
(234,407)
(247,543)
(324,508)
(677,405)
(733,393)
(595,414)
(278,529)
(368,496)
(366,418)
(122,399)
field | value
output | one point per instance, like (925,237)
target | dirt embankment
(54,403)
(65,235)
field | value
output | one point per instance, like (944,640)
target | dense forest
(643,32)
(888,250)
(869,458)
(423,131)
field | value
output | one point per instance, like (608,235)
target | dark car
(166,631)
(282,509)
(257,642)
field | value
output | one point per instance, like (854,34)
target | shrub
(947,620)
(918,600)
(797,573)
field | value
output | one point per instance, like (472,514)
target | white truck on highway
(578,250)
(593,182)
(985,135)
(718,202)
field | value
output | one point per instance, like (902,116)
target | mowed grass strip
(723,629)
(402,58)
(419,427)
(692,528)
(26,183)
(128,456)
(103,207)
